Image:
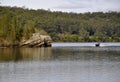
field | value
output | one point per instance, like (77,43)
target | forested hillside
(66,27)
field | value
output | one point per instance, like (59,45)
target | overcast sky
(78,6)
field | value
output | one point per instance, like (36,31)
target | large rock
(37,40)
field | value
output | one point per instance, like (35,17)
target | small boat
(97,44)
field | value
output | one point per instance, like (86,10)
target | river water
(63,62)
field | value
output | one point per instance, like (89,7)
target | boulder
(37,40)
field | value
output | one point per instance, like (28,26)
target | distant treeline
(66,27)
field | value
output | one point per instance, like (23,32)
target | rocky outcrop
(37,40)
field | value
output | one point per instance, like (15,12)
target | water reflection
(24,54)
(60,64)
(87,53)
(60,54)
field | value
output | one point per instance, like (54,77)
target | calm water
(63,62)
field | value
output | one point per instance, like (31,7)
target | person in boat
(97,44)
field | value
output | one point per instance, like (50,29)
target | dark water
(61,63)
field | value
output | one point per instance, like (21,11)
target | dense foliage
(68,27)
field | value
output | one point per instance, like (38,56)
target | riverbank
(36,40)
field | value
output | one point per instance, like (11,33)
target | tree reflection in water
(24,54)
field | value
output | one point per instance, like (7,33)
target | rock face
(37,40)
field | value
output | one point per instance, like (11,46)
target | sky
(77,6)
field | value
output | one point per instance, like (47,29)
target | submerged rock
(37,40)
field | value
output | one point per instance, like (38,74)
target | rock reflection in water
(24,54)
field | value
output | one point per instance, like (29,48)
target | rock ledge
(37,40)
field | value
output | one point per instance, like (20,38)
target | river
(63,62)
